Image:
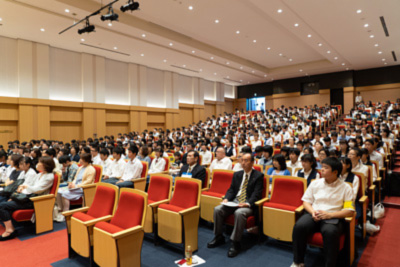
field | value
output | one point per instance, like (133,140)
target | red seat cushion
(212,194)
(221,181)
(159,188)
(130,211)
(280,206)
(23,215)
(287,191)
(251,221)
(257,168)
(171,207)
(144,170)
(83,216)
(317,240)
(103,203)
(98,173)
(185,194)
(108,227)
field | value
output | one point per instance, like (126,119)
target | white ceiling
(335,25)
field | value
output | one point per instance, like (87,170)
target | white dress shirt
(297,164)
(96,160)
(157,165)
(362,169)
(133,170)
(356,183)
(106,167)
(206,157)
(376,156)
(223,164)
(237,167)
(332,197)
(117,168)
(27,175)
(39,184)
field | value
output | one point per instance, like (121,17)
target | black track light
(130,6)
(110,16)
(88,28)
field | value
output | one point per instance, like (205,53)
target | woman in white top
(27,171)
(40,184)
(158,164)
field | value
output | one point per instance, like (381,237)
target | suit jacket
(254,187)
(198,172)
(88,175)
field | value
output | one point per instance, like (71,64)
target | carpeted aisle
(383,249)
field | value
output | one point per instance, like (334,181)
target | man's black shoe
(218,240)
(234,249)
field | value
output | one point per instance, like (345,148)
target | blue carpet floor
(269,252)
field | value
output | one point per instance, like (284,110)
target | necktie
(190,169)
(242,196)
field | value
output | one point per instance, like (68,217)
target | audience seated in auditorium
(192,169)
(221,162)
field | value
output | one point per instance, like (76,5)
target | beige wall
(348,99)
(379,93)
(295,99)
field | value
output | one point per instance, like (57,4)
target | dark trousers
(305,227)
(115,180)
(7,209)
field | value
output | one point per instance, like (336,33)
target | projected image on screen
(256,104)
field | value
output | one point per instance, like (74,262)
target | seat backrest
(99,172)
(265,187)
(257,167)
(166,168)
(361,190)
(56,182)
(159,188)
(145,169)
(103,202)
(287,191)
(186,194)
(221,181)
(130,210)
(207,181)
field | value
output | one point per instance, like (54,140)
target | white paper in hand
(230,204)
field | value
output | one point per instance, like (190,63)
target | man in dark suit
(192,168)
(246,188)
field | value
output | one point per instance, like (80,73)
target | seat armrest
(363,199)
(44,197)
(205,189)
(127,232)
(261,201)
(138,179)
(71,212)
(299,209)
(158,203)
(88,186)
(94,221)
(349,219)
(372,188)
(189,210)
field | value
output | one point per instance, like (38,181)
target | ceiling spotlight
(1,19)
(227,63)
(309,36)
(383,59)
(290,59)
(328,52)
(201,70)
(347,68)
(110,24)
(130,6)
(376,45)
(252,71)
(82,40)
(254,41)
(268,48)
(296,25)
(215,73)
(143,35)
(319,44)
(343,64)
(67,10)
(212,58)
(115,48)
(227,77)
(142,55)
(280,55)
(241,67)
(111,16)
(42,29)
(165,60)
(171,44)
(366,25)
(87,29)
(385,63)
(237,32)
(184,66)
(216,21)
(265,75)
(300,70)
(371,36)
(279,10)
(359,11)
(380,52)
(190,7)
(193,51)
(335,58)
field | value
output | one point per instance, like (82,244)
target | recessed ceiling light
(279,10)
(171,44)
(380,52)
(227,77)
(343,64)
(265,75)
(82,40)
(201,70)
(319,44)
(193,51)
(383,59)
(371,36)
(212,58)
(254,41)
(190,7)
(115,48)
(248,82)
(335,58)
(252,71)
(67,10)
(144,35)
(347,68)
(296,25)
(1,19)
(216,21)
(366,25)
(376,45)
(241,80)
(309,36)
(184,66)
(268,48)
(227,63)
(290,59)
(306,74)
(110,24)
(300,70)
(165,60)
(42,29)
(385,63)
(237,32)
(215,73)
(241,67)
(272,79)
(142,55)
(359,11)
(280,54)
(328,51)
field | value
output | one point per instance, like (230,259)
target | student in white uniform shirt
(373,155)
(94,150)
(221,162)
(294,161)
(117,167)
(206,155)
(132,170)
(27,171)
(327,202)
(357,166)
(158,163)
(105,161)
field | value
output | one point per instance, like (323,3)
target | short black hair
(281,160)
(334,163)
(104,151)
(64,159)
(371,141)
(294,150)
(246,149)
(268,149)
(51,152)
(134,149)
(310,158)
(347,161)
(118,150)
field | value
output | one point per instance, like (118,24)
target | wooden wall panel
(117,116)
(66,131)
(8,112)
(152,125)
(114,128)
(379,93)
(65,114)
(185,117)
(240,104)
(209,110)
(43,115)
(156,117)
(229,106)
(100,129)
(8,132)
(88,123)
